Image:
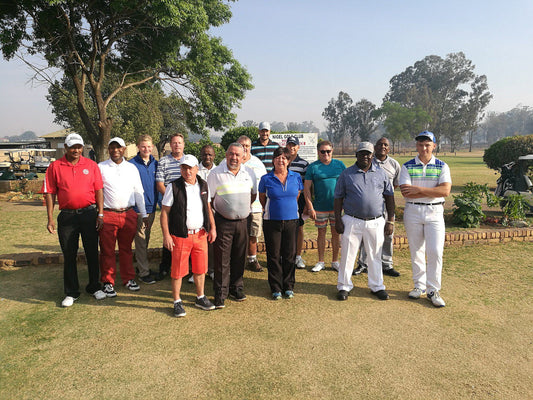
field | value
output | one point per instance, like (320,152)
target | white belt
(193,231)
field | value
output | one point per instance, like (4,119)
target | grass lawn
(311,347)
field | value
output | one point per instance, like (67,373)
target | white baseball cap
(365,146)
(73,139)
(118,140)
(264,125)
(190,160)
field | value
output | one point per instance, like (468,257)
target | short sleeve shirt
(231,193)
(391,168)
(168,169)
(429,175)
(264,153)
(74,185)
(363,191)
(324,179)
(282,199)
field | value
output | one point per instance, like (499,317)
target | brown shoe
(255,266)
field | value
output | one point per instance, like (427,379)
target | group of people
(212,216)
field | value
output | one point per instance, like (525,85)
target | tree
(403,123)
(447,90)
(306,126)
(337,115)
(249,122)
(106,47)
(362,119)
(277,126)
(232,135)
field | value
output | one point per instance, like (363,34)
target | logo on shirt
(85,171)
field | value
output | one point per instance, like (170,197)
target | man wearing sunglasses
(321,176)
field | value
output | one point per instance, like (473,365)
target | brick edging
(457,238)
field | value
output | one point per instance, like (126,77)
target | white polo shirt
(195,214)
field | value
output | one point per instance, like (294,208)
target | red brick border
(459,238)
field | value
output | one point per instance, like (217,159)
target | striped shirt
(429,175)
(231,193)
(168,169)
(264,153)
(299,165)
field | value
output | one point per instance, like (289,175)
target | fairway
(311,347)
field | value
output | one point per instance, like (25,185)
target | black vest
(177,218)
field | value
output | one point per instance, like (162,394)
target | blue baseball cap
(426,135)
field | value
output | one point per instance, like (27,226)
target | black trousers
(166,260)
(230,249)
(280,243)
(69,228)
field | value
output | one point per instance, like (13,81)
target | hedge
(507,149)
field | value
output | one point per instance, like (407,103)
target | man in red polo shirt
(76,182)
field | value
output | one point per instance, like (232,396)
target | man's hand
(51,226)
(389,228)
(312,213)
(99,223)
(168,242)
(211,235)
(339,226)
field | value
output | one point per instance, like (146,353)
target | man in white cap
(123,190)
(263,148)
(188,226)
(425,182)
(360,191)
(76,182)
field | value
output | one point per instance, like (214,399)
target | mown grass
(312,347)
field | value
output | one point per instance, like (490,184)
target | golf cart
(21,161)
(515,179)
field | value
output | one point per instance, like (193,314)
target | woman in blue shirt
(278,194)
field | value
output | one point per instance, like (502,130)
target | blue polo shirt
(147,173)
(363,191)
(282,200)
(324,178)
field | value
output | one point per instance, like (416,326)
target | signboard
(308,142)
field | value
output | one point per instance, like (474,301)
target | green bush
(232,135)
(467,211)
(194,149)
(514,207)
(508,149)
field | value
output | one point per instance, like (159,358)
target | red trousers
(194,247)
(121,228)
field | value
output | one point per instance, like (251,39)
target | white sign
(308,143)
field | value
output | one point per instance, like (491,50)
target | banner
(308,142)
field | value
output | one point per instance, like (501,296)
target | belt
(426,204)
(364,219)
(118,210)
(79,210)
(194,231)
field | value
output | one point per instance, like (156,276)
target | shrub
(194,149)
(232,135)
(467,211)
(508,149)
(514,207)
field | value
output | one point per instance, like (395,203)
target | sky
(301,53)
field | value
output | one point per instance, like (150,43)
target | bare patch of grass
(478,346)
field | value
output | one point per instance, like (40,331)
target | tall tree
(337,113)
(109,46)
(447,89)
(249,122)
(402,123)
(362,118)
(278,126)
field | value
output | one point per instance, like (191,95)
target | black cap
(293,140)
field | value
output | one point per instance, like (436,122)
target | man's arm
(337,208)
(416,192)
(167,239)
(389,205)
(308,200)
(50,201)
(99,197)
(212,234)
(252,197)
(160,186)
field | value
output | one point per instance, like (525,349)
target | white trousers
(425,230)
(371,234)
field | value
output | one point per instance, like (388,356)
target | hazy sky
(302,53)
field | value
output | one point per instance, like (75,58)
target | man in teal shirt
(321,176)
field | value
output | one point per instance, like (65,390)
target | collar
(63,160)
(431,161)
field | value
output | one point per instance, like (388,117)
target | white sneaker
(435,298)
(300,263)
(132,285)
(99,295)
(68,301)
(416,293)
(335,265)
(319,266)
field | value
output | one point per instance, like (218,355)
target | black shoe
(204,304)
(381,294)
(148,279)
(255,266)
(161,275)
(179,311)
(342,295)
(219,303)
(360,269)
(390,272)
(237,295)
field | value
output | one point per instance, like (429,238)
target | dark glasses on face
(325,151)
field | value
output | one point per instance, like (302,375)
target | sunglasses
(325,151)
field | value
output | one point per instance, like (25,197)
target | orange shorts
(194,247)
